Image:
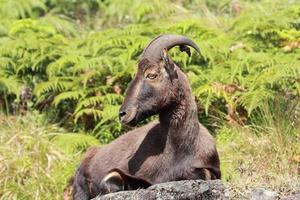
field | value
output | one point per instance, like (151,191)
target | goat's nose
(122,114)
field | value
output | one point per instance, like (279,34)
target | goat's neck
(180,120)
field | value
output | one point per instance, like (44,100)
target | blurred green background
(65,65)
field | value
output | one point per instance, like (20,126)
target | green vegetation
(265,153)
(71,60)
(33,165)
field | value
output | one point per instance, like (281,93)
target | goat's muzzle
(127,116)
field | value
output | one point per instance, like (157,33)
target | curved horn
(154,49)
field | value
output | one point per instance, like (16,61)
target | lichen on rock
(178,190)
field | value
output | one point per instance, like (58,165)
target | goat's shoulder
(117,153)
(130,138)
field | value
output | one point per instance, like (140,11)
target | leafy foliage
(80,80)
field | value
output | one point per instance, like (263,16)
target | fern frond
(88,111)
(255,99)
(55,85)
(9,85)
(20,9)
(69,95)
(98,100)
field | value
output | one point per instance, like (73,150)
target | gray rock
(292,197)
(262,194)
(179,190)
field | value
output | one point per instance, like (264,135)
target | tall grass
(266,154)
(32,165)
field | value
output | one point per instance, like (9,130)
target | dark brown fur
(177,147)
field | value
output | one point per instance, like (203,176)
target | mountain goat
(175,147)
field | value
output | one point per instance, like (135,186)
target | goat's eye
(151,76)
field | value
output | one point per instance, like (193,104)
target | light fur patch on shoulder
(112,175)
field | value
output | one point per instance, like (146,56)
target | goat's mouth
(133,117)
(131,123)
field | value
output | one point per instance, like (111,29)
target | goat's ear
(186,49)
(169,65)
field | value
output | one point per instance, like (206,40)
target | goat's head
(153,90)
